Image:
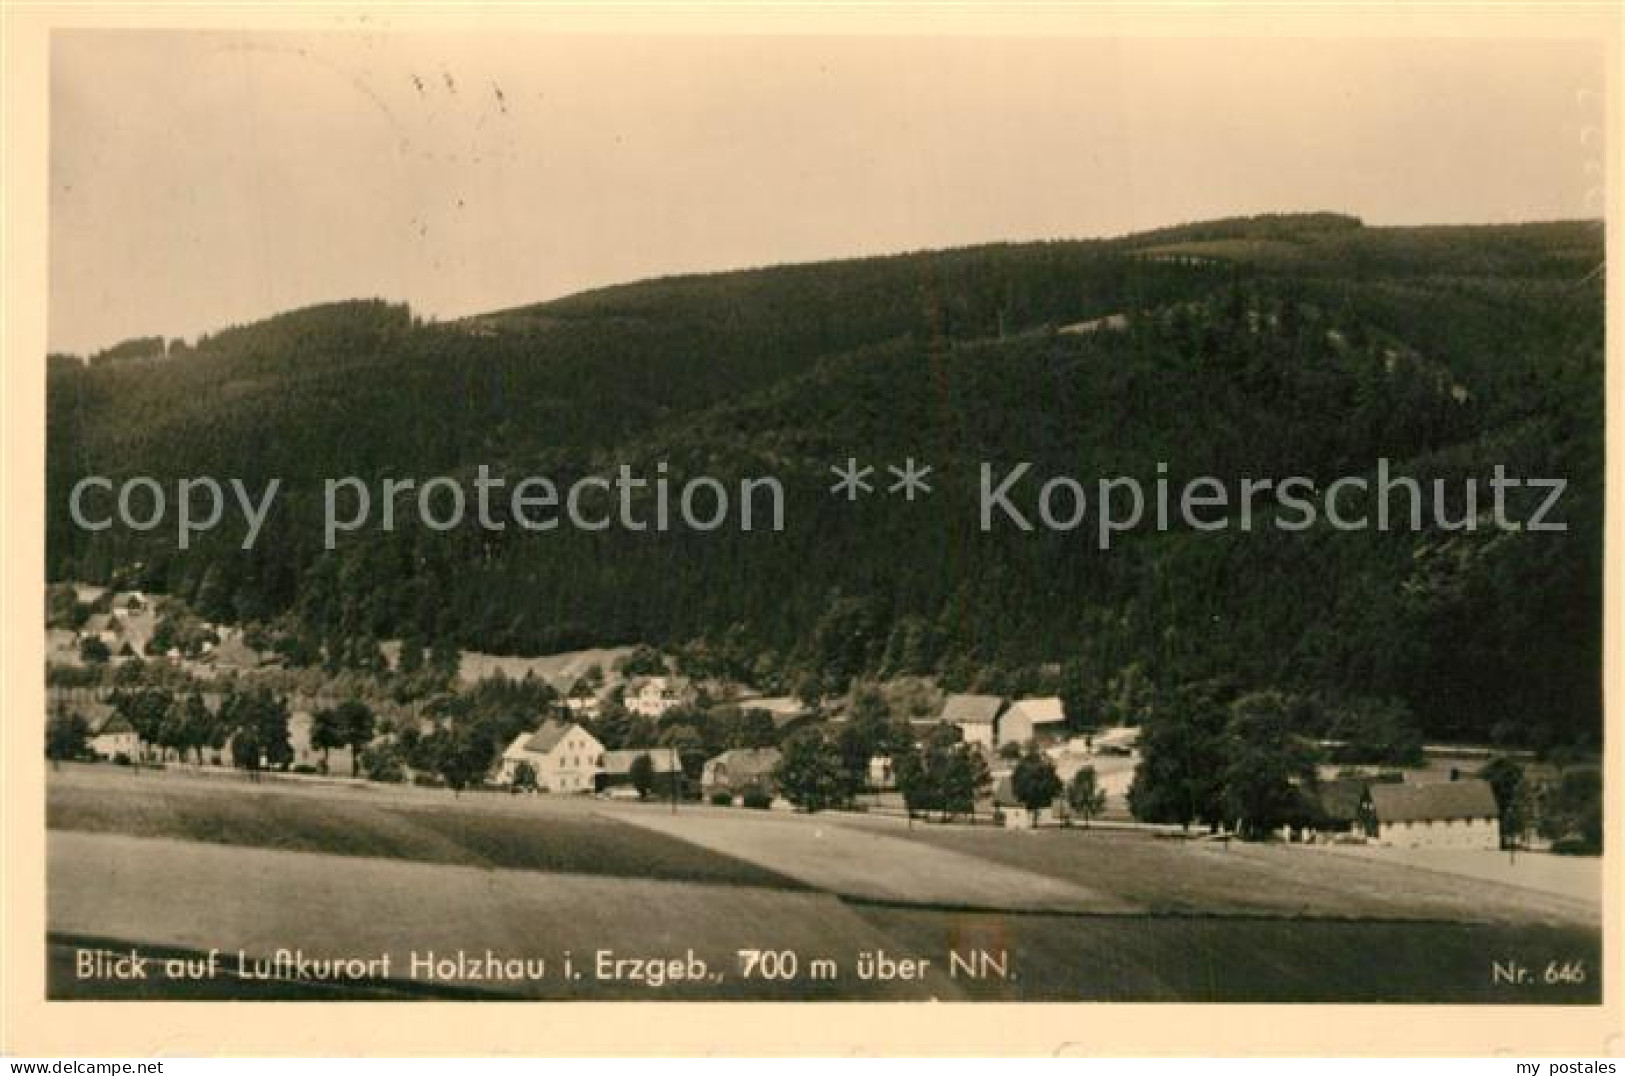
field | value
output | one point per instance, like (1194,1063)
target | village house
(126,628)
(667,770)
(656,696)
(112,735)
(741,770)
(583,702)
(976,717)
(62,647)
(88,593)
(1446,814)
(103,628)
(882,774)
(565,758)
(1030,719)
(234,655)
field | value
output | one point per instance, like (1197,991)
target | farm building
(976,717)
(1031,718)
(740,770)
(617,769)
(1448,814)
(565,758)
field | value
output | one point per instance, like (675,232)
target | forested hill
(1271,346)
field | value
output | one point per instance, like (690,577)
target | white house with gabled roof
(1029,719)
(656,696)
(565,758)
(976,717)
(1445,814)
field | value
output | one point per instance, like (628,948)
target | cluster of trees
(461,734)
(1212,756)
(257,720)
(1568,812)
(63,609)
(944,775)
(67,735)
(1247,762)
(140,347)
(1571,813)
(1037,786)
(821,769)
(178,628)
(349,724)
(180,724)
(174,723)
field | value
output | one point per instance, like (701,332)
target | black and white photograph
(892,517)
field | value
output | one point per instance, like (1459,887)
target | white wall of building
(1466,833)
(976,733)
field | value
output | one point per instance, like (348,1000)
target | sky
(203,179)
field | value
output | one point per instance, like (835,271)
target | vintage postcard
(1021,520)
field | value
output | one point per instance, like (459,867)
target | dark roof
(1339,800)
(747,762)
(972,709)
(676,685)
(547,737)
(619,762)
(232,651)
(110,724)
(1434,803)
(1041,711)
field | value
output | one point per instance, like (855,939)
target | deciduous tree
(1035,782)
(809,772)
(1085,796)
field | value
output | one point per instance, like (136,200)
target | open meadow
(420,886)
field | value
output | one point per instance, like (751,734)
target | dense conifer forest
(1277,346)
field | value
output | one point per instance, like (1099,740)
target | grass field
(189,865)
(1175,877)
(828,853)
(1232,959)
(196,897)
(434,829)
